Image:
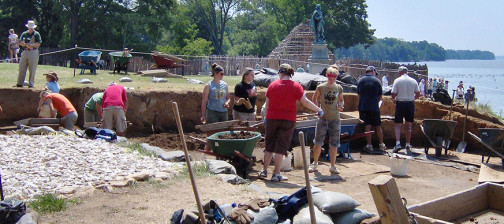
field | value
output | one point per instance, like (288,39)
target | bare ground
(151,202)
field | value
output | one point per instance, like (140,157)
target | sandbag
(266,215)
(303,217)
(354,216)
(347,78)
(219,166)
(84,81)
(42,130)
(125,79)
(333,202)
(233,179)
(11,210)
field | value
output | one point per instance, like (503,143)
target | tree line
(393,49)
(188,27)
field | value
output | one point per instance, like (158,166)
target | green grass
(48,203)
(199,170)
(486,108)
(135,146)
(9,73)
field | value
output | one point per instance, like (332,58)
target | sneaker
(368,149)
(278,177)
(334,170)
(383,147)
(408,150)
(313,167)
(263,174)
(397,148)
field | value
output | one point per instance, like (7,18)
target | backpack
(98,133)
(288,206)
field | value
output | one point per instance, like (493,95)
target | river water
(487,76)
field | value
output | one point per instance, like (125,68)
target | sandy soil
(150,202)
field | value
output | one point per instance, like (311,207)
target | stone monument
(319,58)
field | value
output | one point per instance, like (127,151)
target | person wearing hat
(30,40)
(370,94)
(114,108)
(52,82)
(281,98)
(460,92)
(329,96)
(215,100)
(59,103)
(404,92)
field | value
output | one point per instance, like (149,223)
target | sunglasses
(331,76)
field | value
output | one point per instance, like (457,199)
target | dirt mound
(237,135)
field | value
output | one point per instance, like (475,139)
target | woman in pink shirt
(281,98)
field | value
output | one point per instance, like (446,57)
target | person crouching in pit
(329,96)
(281,98)
(60,104)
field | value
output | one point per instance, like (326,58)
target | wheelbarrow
(237,151)
(492,139)
(439,133)
(120,61)
(89,60)
(165,61)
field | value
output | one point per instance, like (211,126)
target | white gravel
(33,165)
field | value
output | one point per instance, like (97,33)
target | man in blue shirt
(370,94)
(30,40)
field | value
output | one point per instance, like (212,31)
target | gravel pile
(33,165)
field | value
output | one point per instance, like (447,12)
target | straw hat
(31,24)
(53,74)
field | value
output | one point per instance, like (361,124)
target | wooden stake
(188,162)
(307,179)
(387,200)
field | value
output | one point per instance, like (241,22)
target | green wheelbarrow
(237,151)
(120,61)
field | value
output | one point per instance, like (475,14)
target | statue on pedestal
(317,25)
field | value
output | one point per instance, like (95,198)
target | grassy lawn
(9,73)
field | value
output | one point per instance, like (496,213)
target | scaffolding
(297,46)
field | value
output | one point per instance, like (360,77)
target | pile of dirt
(238,135)
(171,141)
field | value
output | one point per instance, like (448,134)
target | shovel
(451,105)
(462,145)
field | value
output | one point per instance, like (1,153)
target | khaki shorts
(114,117)
(243,116)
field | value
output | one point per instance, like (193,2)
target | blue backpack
(98,133)
(288,206)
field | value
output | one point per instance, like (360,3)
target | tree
(212,16)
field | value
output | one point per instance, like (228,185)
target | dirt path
(156,202)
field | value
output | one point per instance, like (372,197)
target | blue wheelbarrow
(89,60)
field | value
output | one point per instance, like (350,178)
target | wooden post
(388,200)
(307,179)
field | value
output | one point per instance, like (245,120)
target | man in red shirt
(114,108)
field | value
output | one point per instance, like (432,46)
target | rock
(159,80)
(84,81)
(67,190)
(125,79)
(106,187)
(195,81)
(173,156)
(163,175)
(121,183)
(220,167)
(153,149)
(232,179)
(140,176)
(31,217)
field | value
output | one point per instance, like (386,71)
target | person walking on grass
(329,96)
(404,92)
(370,94)
(245,96)
(215,100)
(13,46)
(31,41)
(281,98)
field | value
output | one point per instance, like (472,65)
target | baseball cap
(372,68)
(402,69)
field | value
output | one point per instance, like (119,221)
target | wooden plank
(44,121)
(428,220)
(496,196)
(491,173)
(388,200)
(218,125)
(455,205)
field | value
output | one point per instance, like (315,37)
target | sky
(452,24)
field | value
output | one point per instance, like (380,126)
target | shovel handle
(307,179)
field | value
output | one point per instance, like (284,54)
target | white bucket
(399,165)
(298,157)
(286,162)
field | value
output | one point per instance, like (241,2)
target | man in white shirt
(404,92)
(384,80)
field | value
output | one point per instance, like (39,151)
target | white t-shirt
(405,88)
(384,81)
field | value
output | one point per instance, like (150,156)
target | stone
(163,175)
(105,187)
(220,167)
(67,190)
(121,183)
(233,179)
(140,176)
(125,79)
(31,217)
(173,156)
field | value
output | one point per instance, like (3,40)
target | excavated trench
(152,118)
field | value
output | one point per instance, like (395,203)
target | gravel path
(33,165)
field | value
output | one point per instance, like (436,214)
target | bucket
(298,157)
(399,165)
(286,162)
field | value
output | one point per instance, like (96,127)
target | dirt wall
(152,111)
